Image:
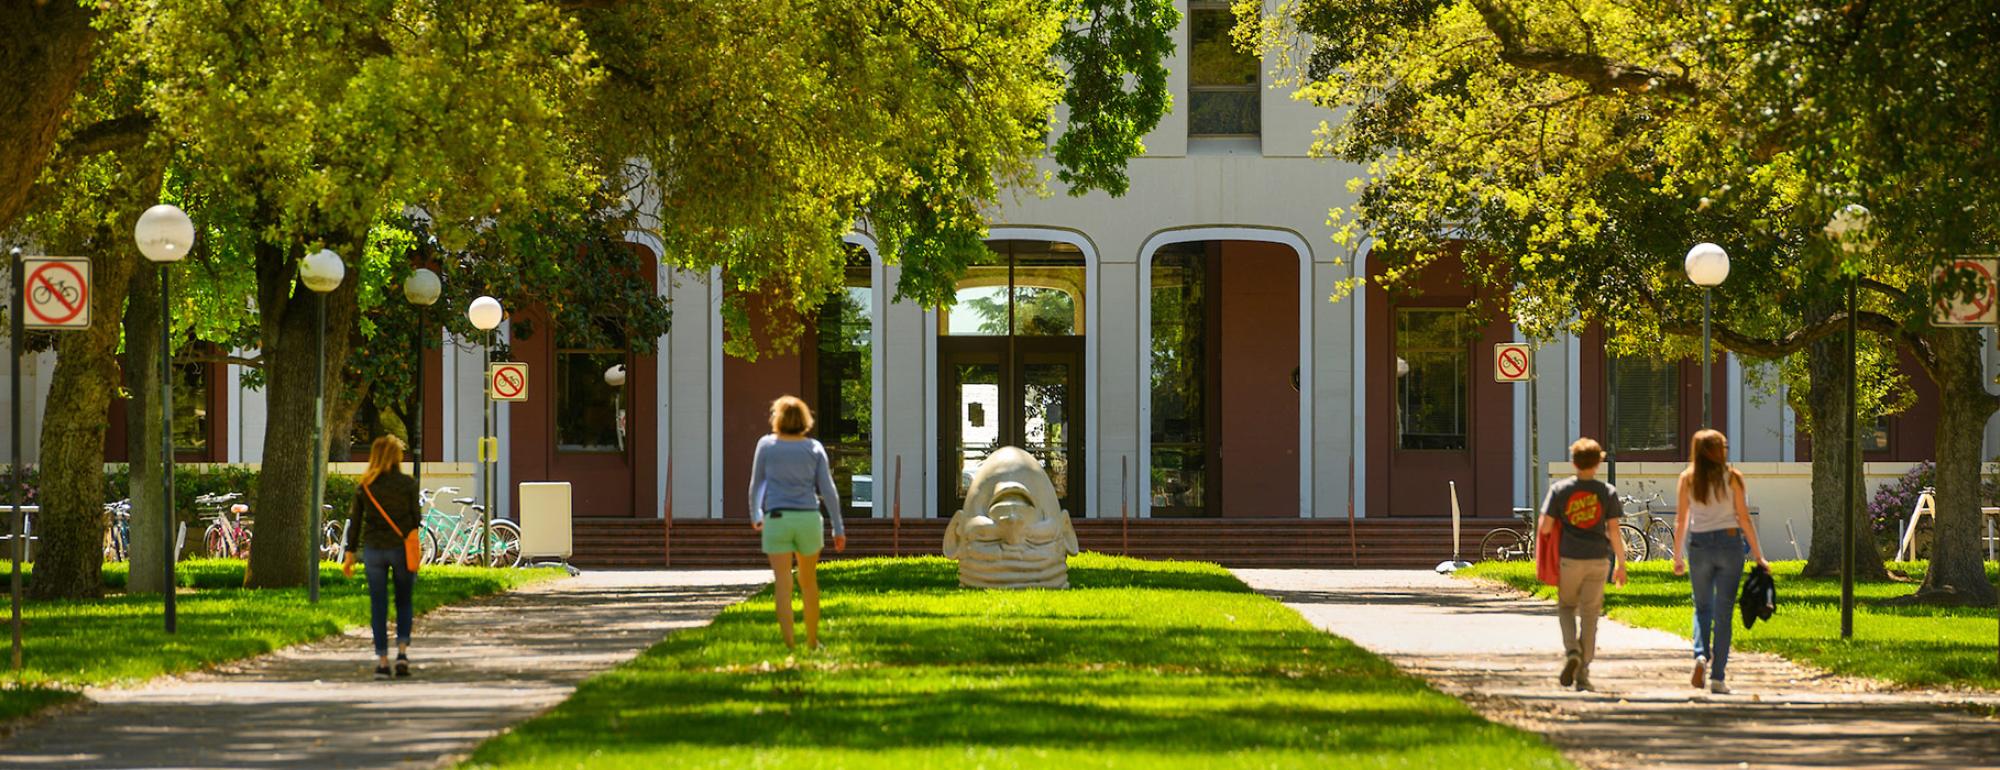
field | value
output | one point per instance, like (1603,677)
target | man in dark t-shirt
(1584,510)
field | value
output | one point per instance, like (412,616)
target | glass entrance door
(1028,394)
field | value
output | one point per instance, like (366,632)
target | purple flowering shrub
(1892,504)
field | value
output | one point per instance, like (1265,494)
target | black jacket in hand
(1759,598)
(398,494)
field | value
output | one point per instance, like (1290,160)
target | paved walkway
(1498,650)
(482,666)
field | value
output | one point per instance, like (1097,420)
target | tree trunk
(1958,568)
(69,562)
(1826,365)
(284,488)
(45,47)
(142,430)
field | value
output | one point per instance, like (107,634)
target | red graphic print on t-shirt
(1584,510)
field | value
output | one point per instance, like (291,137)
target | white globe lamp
(164,234)
(422,287)
(1707,265)
(615,376)
(1849,227)
(485,314)
(322,271)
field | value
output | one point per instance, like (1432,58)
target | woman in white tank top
(1711,529)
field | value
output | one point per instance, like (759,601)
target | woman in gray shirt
(790,480)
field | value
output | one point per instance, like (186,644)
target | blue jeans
(380,563)
(1715,568)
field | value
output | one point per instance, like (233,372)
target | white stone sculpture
(1013,532)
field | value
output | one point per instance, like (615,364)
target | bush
(1892,504)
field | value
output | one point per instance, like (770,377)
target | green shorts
(794,531)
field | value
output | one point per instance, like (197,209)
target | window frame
(1194,90)
(1469,331)
(860,267)
(1211,384)
(1683,378)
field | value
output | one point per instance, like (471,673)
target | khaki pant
(1581,593)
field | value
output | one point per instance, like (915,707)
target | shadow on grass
(1143,658)
(74,643)
(1089,570)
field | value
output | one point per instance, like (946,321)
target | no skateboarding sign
(57,292)
(507,381)
(1511,362)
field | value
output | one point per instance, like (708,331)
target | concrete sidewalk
(1499,651)
(481,666)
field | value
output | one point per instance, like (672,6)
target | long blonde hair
(383,457)
(1708,464)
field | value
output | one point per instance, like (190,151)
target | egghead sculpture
(1012,532)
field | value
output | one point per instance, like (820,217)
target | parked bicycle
(333,535)
(118,536)
(228,533)
(454,538)
(1518,544)
(1658,530)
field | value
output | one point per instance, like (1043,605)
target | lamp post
(17,485)
(1707,266)
(615,377)
(322,272)
(1849,230)
(164,235)
(485,314)
(421,289)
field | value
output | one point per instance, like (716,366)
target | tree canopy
(1582,146)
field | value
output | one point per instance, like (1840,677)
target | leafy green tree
(1581,147)
(755,133)
(770,129)
(45,49)
(306,124)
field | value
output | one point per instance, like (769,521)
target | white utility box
(545,530)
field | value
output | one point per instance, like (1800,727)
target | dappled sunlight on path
(1499,651)
(480,666)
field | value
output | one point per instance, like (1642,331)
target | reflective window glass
(1433,347)
(843,371)
(1179,379)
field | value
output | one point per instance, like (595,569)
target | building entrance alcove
(1223,408)
(1011,367)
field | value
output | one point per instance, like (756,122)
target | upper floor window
(1222,78)
(1646,405)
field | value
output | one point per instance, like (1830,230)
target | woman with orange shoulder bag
(382,535)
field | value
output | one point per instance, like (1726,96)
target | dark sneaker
(402,667)
(1571,663)
(381,672)
(1700,678)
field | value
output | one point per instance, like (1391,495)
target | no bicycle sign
(1511,362)
(507,381)
(56,292)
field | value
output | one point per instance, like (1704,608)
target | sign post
(505,381)
(48,293)
(1514,362)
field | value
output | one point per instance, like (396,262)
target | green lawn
(1143,664)
(69,644)
(1917,646)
